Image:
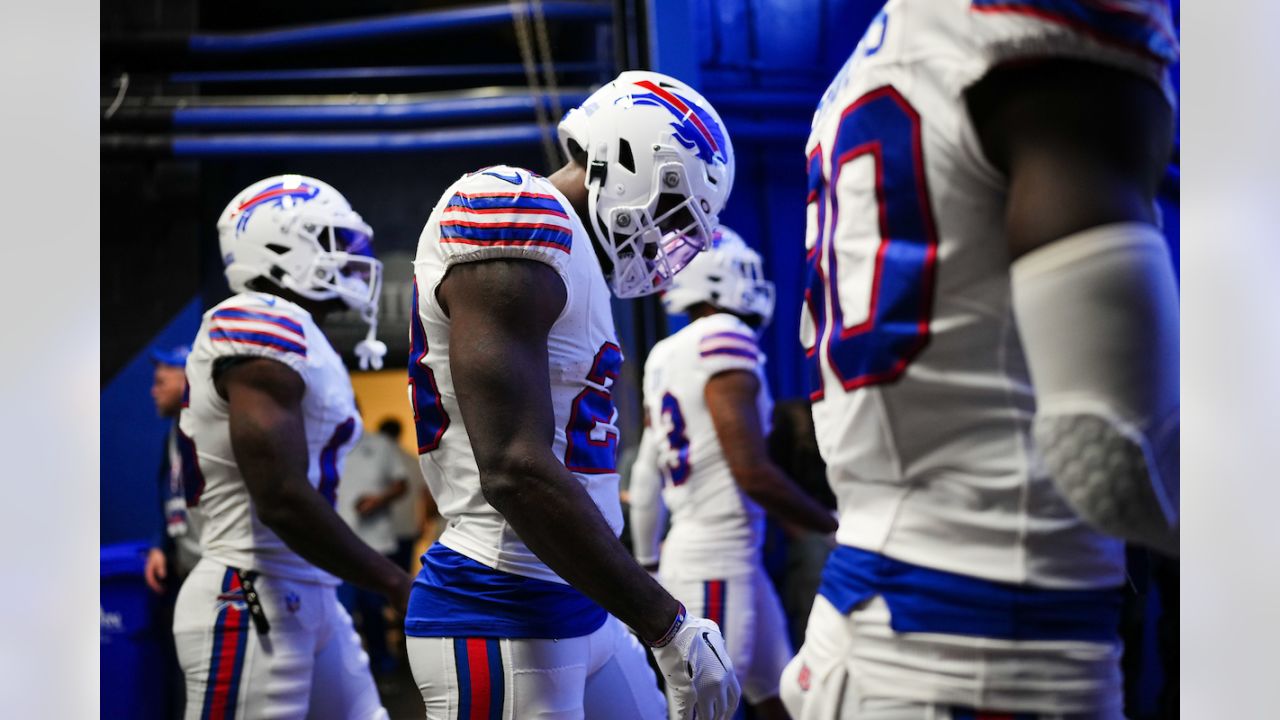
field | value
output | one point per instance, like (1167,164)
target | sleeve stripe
(538,196)
(256,338)
(505,210)
(735,352)
(506,234)
(1106,22)
(258,326)
(507,243)
(485,201)
(731,344)
(238,314)
(729,336)
(502,225)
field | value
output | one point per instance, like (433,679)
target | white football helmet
(301,234)
(729,275)
(659,170)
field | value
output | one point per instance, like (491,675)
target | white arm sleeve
(1098,317)
(648,514)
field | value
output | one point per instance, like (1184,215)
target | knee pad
(1097,313)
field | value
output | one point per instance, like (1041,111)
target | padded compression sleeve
(1098,317)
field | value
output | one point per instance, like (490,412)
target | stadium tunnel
(392,102)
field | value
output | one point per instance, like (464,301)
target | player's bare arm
(269,440)
(502,312)
(731,398)
(1084,148)
(1083,145)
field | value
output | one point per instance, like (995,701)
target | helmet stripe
(277,192)
(682,107)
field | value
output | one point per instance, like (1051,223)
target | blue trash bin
(134,676)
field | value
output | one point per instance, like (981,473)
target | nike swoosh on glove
(699,672)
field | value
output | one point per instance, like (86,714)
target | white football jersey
(715,527)
(260,325)
(506,212)
(922,400)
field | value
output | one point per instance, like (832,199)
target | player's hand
(156,570)
(699,672)
(367,505)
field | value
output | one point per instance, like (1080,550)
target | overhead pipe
(367,113)
(245,144)
(328,34)
(373,73)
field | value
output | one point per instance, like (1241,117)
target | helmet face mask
(728,276)
(345,270)
(659,169)
(648,243)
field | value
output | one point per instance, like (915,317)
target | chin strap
(371,350)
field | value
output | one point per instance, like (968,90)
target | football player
(519,608)
(708,411)
(992,333)
(268,419)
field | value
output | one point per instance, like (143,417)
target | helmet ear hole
(625,158)
(277,249)
(576,153)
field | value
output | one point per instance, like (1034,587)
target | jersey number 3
(884,127)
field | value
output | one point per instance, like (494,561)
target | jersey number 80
(883,126)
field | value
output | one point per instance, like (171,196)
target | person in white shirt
(373,479)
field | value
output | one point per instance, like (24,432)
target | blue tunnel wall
(764,64)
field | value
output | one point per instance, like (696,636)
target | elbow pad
(1097,313)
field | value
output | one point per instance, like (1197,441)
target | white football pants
(855,667)
(604,676)
(750,617)
(308,665)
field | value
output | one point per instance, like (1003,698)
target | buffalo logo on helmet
(694,128)
(277,195)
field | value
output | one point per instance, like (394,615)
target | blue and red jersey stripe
(732,352)
(263,339)
(230,640)
(1113,23)
(730,335)
(481,688)
(506,202)
(281,321)
(499,234)
(714,600)
(731,343)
